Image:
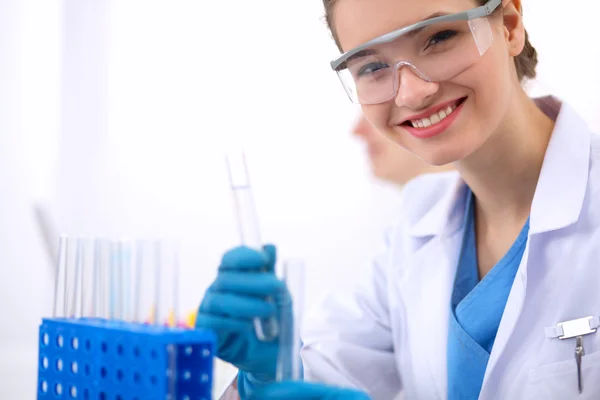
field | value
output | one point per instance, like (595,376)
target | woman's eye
(441,37)
(371,68)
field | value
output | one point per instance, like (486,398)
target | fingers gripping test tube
(267,328)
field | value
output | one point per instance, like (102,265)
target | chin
(443,157)
(441,161)
(455,147)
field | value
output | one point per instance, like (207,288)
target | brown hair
(525,62)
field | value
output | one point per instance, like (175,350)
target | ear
(513,26)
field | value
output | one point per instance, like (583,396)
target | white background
(114,117)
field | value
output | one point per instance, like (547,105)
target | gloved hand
(305,391)
(238,295)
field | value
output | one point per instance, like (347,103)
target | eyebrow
(436,14)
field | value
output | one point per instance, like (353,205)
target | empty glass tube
(155,291)
(267,328)
(289,363)
(127,280)
(74,279)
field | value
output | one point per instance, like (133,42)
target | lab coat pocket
(559,380)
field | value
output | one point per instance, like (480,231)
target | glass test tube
(156,279)
(102,248)
(60,280)
(74,294)
(119,269)
(167,280)
(289,363)
(112,271)
(117,279)
(266,329)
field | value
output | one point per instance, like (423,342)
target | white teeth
(434,118)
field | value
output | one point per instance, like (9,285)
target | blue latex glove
(235,298)
(305,391)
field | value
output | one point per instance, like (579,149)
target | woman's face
(483,91)
(389,161)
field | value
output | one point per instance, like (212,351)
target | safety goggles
(436,50)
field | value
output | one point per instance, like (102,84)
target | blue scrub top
(476,310)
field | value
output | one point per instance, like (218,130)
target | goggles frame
(474,13)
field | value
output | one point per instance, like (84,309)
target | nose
(413,90)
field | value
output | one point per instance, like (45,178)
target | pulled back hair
(525,62)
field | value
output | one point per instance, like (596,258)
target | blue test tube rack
(96,359)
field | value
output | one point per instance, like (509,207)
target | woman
(489,285)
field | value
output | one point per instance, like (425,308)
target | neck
(503,174)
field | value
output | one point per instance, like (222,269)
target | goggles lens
(435,53)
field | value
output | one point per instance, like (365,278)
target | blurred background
(115,117)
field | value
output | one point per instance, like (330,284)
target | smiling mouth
(436,117)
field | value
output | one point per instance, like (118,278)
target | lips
(436,121)
(434,115)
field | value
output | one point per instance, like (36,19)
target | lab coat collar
(446,216)
(562,184)
(561,187)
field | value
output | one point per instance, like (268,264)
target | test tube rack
(97,359)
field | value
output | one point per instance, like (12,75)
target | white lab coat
(389,334)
